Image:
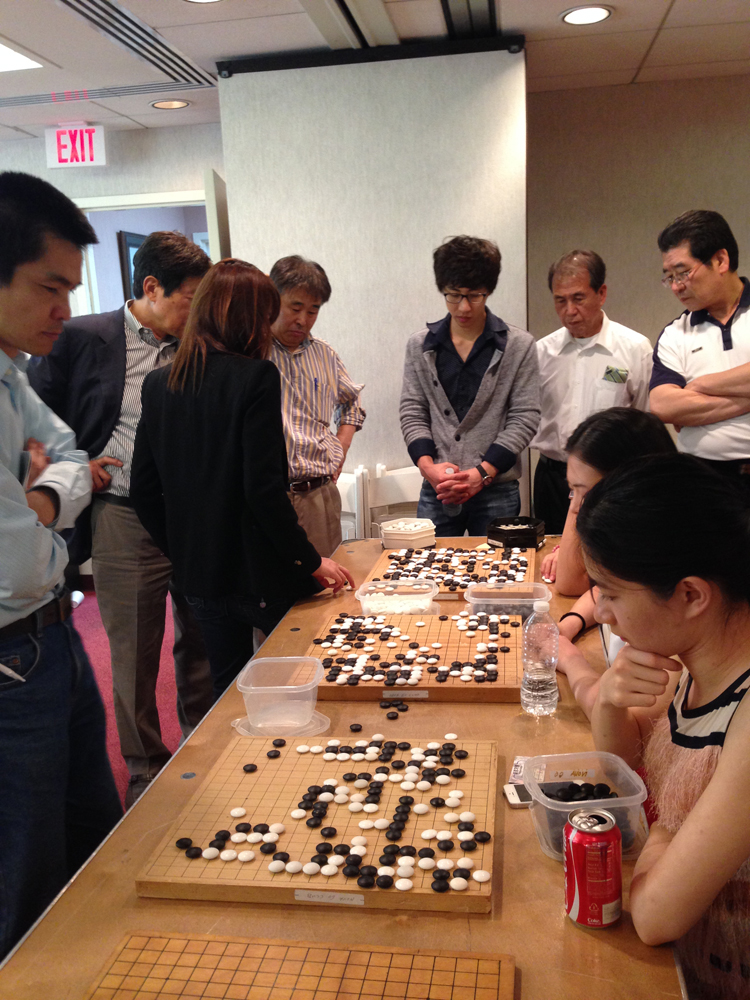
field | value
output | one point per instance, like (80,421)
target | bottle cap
(541,605)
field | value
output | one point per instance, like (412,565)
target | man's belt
(554,463)
(305,485)
(57,610)
(118,501)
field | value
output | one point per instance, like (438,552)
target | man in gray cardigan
(470,397)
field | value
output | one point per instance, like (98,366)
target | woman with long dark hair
(209,475)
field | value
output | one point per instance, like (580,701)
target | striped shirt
(315,390)
(707,725)
(143,353)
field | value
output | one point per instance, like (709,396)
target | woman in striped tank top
(667,543)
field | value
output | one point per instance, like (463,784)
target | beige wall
(608,167)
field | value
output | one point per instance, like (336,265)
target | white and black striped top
(705,726)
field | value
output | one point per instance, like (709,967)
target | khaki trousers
(319,513)
(132,580)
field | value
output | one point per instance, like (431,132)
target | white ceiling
(642,41)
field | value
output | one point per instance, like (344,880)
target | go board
(153,967)
(453,569)
(277,787)
(365,668)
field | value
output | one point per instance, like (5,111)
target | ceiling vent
(97,93)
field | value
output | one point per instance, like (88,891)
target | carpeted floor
(89,625)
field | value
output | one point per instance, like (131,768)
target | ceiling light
(10,60)
(170,105)
(586,15)
(202,1)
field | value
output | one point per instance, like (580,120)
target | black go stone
(446,845)
(458,772)
(320,859)
(267,848)
(368,870)
(406,800)
(401,708)
(183,843)
(440,886)
(383,704)
(390,849)
(404,746)
(482,837)
(437,802)
(355,727)
(353,859)
(373,797)
(398,823)
(364,776)
(461,754)
(384,881)
(426,852)
(449,747)
(225,834)
(329,831)
(385,859)
(443,770)
(193,852)
(273,754)
(324,848)
(391,715)
(304,804)
(468,845)
(394,834)
(382,770)
(279,743)
(465,826)
(408,849)
(313,822)
(350,776)
(243,828)
(366,881)
(342,850)
(281,856)
(249,768)
(350,871)
(219,844)
(440,875)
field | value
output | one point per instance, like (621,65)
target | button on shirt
(697,344)
(32,556)
(581,375)
(315,390)
(144,353)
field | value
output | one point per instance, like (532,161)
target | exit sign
(77,145)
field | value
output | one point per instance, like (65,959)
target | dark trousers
(551,500)
(738,471)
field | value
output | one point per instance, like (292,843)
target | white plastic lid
(541,605)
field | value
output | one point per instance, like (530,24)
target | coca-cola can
(592,859)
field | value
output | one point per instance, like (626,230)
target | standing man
(57,796)
(470,397)
(315,389)
(589,364)
(92,379)
(701,377)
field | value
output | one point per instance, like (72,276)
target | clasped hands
(454,487)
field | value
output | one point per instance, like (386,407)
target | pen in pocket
(11,673)
(316,383)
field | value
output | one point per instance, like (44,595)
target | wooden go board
(434,685)
(276,788)
(154,967)
(436,564)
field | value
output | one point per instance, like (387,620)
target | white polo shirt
(697,344)
(579,376)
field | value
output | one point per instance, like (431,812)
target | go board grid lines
(187,966)
(274,790)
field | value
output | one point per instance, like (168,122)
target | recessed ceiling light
(586,15)
(169,105)
(10,60)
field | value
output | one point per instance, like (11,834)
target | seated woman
(209,476)
(667,543)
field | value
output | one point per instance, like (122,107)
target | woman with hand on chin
(667,543)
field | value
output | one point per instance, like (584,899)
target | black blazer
(209,482)
(82,379)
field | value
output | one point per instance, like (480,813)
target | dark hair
(232,311)
(467,262)
(607,439)
(30,208)
(706,232)
(170,258)
(293,272)
(661,519)
(576,261)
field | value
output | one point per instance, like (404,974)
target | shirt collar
(440,332)
(605,338)
(144,332)
(309,339)
(20,362)
(699,316)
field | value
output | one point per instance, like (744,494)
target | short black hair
(293,272)
(170,258)
(467,262)
(30,209)
(609,438)
(577,261)
(706,233)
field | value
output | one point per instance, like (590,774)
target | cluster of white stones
(396,598)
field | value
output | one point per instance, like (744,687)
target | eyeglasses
(679,277)
(473,298)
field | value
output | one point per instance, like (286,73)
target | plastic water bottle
(541,639)
(452,509)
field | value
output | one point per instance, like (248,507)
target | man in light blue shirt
(57,796)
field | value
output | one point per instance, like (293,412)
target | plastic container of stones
(506,598)
(547,773)
(280,693)
(385,598)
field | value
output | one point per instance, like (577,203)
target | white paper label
(402,695)
(569,774)
(347,898)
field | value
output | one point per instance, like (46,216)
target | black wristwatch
(486,477)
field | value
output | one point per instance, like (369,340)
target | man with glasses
(591,363)
(470,397)
(701,377)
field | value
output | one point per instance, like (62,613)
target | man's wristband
(486,477)
(574,614)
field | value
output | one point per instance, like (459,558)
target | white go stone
(361,783)
(429,834)
(329,870)
(277,828)
(404,871)
(426,864)
(361,851)
(239,811)
(293,867)
(381,824)
(303,748)
(228,855)
(443,779)
(355,807)
(270,838)
(433,746)
(276,866)
(424,786)
(371,807)
(420,808)
(404,884)
(337,860)
(339,799)
(458,883)
(464,863)
(467,817)
(408,786)
(451,736)
(297,813)
(386,870)
(357,797)
(316,749)
(329,756)
(457,794)
(359,841)
(311,868)
(334,743)
(378,736)
(394,777)
(465,835)
(445,863)
(365,824)
(254,838)
(443,835)
(326,797)
(343,756)
(380,776)
(451,817)
(245,856)
(240,838)
(481,876)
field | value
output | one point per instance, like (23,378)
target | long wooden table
(555,959)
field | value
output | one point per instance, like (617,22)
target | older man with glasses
(701,376)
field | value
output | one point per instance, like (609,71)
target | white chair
(352,488)
(391,494)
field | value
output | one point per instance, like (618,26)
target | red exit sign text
(75,146)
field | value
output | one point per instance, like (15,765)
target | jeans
(227,624)
(501,500)
(58,799)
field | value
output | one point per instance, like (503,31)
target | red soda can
(592,860)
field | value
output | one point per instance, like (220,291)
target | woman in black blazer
(209,475)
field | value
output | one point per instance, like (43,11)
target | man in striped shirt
(315,390)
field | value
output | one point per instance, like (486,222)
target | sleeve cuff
(661,375)
(71,482)
(502,458)
(420,447)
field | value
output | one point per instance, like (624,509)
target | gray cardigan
(505,412)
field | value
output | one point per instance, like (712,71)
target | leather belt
(56,610)
(118,501)
(305,485)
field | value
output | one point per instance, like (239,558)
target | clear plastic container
(280,694)
(397,597)
(595,766)
(506,598)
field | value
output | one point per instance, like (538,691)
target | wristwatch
(486,477)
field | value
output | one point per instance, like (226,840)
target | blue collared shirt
(32,556)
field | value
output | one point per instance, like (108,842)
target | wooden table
(555,959)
